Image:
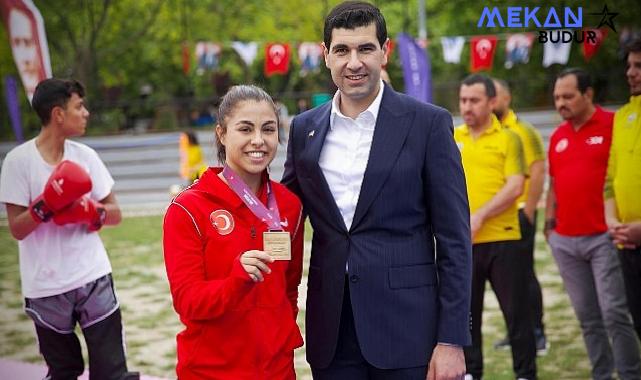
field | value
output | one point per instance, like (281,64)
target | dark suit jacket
(408,249)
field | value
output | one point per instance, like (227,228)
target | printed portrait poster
(208,55)
(517,49)
(28,40)
(310,55)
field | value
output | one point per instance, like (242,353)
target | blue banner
(417,71)
(11,94)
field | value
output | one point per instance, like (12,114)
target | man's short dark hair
(52,93)
(354,14)
(583,79)
(632,46)
(490,89)
(503,83)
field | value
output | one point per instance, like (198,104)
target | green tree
(118,47)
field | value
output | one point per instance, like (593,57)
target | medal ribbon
(268,215)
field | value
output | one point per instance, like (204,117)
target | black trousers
(501,264)
(349,363)
(63,355)
(631,267)
(528,237)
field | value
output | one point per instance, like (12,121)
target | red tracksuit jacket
(234,328)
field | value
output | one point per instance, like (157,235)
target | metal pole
(422,31)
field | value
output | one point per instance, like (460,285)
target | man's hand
(612,223)
(476,222)
(548,227)
(626,235)
(614,227)
(634,232)
(529,214)
(447,363)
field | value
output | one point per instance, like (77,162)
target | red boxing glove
(85,210)
(68,182)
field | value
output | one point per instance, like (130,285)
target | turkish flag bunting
(186,57)
(482,51)
(276,59)
(591,46)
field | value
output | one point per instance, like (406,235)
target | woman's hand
(255,264)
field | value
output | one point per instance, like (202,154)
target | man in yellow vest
(623,185)
(534,158)
(494,172)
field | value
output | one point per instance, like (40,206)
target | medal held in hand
(276,242)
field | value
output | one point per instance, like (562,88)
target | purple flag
(11,94)
(417,72)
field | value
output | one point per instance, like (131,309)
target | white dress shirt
(345,153)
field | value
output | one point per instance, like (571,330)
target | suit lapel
(392,126)
(314,144)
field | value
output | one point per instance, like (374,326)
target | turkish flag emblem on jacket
(482,49)
(276,59)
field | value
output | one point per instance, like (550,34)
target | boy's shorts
(86,305)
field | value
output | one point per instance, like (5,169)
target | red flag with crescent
(186,57)
(591,45)
(276,58)
(482,49)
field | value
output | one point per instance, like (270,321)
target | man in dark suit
(381,179)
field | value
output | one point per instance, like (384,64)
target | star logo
(606,18)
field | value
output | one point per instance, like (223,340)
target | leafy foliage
(117,47)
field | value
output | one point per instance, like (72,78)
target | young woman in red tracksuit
(237,303)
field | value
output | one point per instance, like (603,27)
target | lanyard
(268,215)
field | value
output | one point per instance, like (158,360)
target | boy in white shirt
(58,193)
